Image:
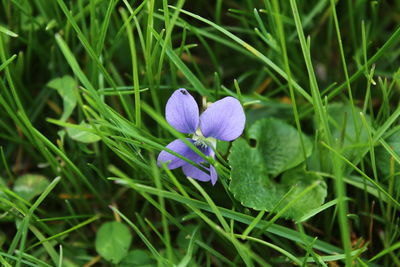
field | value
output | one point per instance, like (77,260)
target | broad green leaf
(222,147)
(65,86)
(385,161)
(30,185)
(279,145)
(276,150)
(136,258)
(348,132)
(81,134)
(112,241)
(300,180)
(351,130)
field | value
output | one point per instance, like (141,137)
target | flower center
(201,142)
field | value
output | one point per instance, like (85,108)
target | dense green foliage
(313,181)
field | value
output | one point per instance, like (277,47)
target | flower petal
(193,172)
(181,148)
(223,120)
(213,174)
(182,111)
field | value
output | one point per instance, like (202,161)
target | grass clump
(83,88)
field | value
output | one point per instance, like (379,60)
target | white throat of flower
(201,141)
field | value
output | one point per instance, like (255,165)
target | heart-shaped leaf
(387,165)
(83,134)
(30,185)
(278,148)
(65,87)
(279,145)
(113,240)
(137,258)
(348,128)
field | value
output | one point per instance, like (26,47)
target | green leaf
(300,180)
(349,129)
(30,185)
(278,148)
(82,134)
(65,86)
(346,130)
(136,258)
(222,147)
(112,241)
(279,145)
(385,160)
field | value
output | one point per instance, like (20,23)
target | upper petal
(224,119)
(180,148)
(182,111)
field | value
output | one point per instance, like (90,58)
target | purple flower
(222,120)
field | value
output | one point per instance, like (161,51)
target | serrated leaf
(113,240)
(279,144)
(81,134)
(65,87)
(300,180)
(30,185)
(222,147)
(251,181)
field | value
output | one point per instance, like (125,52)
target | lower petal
(193,172)
(214,175)
(180,148)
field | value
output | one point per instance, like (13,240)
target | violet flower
(222,120)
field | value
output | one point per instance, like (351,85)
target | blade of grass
(237,216)
(251,49)
(323,123)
